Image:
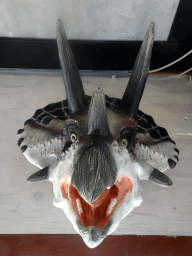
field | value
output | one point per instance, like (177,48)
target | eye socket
(125,142)
(73,137)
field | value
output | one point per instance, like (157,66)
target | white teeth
(79,207)
(111,206)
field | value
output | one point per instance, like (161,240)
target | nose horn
(97,115)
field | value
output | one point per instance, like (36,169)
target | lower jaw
(86,233)
(104,230)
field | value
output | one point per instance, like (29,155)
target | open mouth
(98,213)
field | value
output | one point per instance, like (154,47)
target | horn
(97,115)
(160,178)
(72,80)
(94,168)
(136,84)
(41,175)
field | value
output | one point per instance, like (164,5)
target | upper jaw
(95,165)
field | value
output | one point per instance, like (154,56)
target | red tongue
(95,214)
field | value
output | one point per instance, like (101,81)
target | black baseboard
(89,55)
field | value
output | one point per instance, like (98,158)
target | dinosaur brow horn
(72,80)
(136,84)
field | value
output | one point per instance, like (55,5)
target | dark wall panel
(181,30)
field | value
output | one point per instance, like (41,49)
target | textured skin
(42,139)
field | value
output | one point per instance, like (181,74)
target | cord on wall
(175,76)
(168,65)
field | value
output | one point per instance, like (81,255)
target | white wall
(85,19)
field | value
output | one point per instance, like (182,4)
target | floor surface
(26,208)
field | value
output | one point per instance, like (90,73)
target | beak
(94,168)
(93,236)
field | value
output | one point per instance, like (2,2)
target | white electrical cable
(175,76)
(155,70)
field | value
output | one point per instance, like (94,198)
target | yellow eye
(125,142)
(73,137)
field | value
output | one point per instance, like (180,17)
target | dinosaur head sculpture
(97,150)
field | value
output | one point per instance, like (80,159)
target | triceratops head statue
(96,150)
